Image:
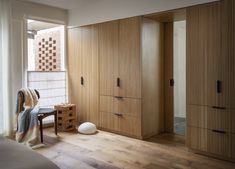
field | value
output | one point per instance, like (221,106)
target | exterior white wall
(20,11)
(96,11)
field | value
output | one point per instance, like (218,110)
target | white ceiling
(38,25)
(64,4)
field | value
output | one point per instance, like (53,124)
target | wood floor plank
(111,151)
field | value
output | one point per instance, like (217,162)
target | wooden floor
(110,151)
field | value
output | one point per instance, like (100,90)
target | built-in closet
(116,75)
(210,79)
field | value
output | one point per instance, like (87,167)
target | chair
(43,113)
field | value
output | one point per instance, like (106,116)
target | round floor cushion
(87,128)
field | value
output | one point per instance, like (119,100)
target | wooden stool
(43,113)
(66,115)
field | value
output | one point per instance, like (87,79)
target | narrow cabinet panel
(129,58)
(108,56)
(86,48)
(195,58)
(75,68)
(232,54)
(93,77)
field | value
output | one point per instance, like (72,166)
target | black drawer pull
(82,80)
(217,107)
(219,131)
(118,97)
(118,114)
(118,82)
(219,86)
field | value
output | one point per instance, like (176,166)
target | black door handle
(172,82)
(118,97)
(219,86)
(82,80)
(217,107)
(118,82)
(118,114)
(219,131)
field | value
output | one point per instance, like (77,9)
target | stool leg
(41,129)
(55,122)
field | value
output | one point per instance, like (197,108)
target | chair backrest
(21,99)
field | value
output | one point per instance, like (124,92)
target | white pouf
(87,128)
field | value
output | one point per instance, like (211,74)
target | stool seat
(46,110)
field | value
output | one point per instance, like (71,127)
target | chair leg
(55,122)
(41,129)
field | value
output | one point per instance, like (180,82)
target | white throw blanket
(28,132)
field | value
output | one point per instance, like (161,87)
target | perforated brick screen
(47,50)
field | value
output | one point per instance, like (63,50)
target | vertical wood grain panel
(195,59)
(94,77)
(233,146)
(152,77)
(232,54)
(219,144)
(196,116)
(232,122)
(130,125)
(216,52)
(86,43)
(75,68)
(197,138)
(108,53)
(83,62)
(168,75)
(129,58)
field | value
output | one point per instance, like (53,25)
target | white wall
(21,10)
(95,11)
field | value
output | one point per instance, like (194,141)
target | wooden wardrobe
(211,79)
(116,75)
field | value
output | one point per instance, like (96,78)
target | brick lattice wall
(47,50)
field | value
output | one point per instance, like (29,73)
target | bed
(16,156)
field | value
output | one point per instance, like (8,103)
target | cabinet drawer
(107,104)
(129,106)
(130,125)
(219,143)
(209,118)
(209,141)
(197,138)
(109,121)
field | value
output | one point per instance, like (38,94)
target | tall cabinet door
(93,76)
(108,56)
(232,56)
(89,95)
(75,67)
(129,58)
(215,26)
(195,59)
(83,72)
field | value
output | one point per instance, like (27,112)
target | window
(46,67)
